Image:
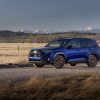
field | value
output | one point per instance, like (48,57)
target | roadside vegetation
(16,53)
(81,87)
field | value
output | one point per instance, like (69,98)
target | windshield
(58,43)
(54,44)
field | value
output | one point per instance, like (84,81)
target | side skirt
(77,61)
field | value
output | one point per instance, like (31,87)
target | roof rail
(64,37)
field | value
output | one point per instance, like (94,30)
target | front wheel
(92,61)
(59,61)
(39,65)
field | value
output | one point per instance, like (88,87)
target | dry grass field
(81,87)
(16,52)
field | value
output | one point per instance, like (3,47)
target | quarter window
(87,43)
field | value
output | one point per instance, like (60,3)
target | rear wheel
(59,61)
(39,65)
(92,61)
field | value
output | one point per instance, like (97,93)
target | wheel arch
(62,54)
(95,55)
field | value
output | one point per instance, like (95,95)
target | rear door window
(74,43)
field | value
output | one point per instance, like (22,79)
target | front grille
(35,54)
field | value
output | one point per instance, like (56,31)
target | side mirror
(70,47)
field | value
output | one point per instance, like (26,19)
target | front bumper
(40,57)
(36,60)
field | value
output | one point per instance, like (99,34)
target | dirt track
(21,73)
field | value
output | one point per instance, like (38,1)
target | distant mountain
(95,30)
(26,31)
(91,30)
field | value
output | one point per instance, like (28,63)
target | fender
(53,55)
(59,54)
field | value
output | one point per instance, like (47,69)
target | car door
(87,48)
(74,52)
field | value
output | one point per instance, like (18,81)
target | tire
(39,65)
(92,61)
(73,64)
(59,62)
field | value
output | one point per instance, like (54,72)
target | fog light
(48,59)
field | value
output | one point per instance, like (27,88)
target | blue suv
(66,50)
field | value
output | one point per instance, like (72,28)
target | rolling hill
(21,37)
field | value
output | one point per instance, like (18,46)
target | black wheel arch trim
(95,55)
(60,53)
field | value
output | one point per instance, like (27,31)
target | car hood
(43,48)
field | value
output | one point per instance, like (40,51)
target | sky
(56,15)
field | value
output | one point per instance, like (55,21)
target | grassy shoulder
(16,52)
(85,87)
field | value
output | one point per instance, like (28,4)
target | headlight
(34,51)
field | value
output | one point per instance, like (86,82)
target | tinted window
(74,43)
(87,43)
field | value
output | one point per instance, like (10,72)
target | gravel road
(20,73)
